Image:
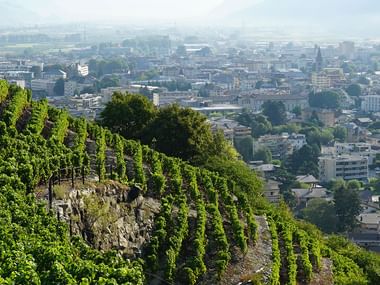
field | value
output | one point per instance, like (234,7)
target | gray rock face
(105,217)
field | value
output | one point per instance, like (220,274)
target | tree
(319,137)
(275,111)
(59,87)
(88,89)
(235,170)
(263,154)
(364,80)
(245,147)
(340,133)
(128,114)
(180,132)
(258,123)
(297,111)
(324,99)
(305,160)
(354,90)
(322,214)
(347,207)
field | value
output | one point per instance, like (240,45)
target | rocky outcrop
(109,216)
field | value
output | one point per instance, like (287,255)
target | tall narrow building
(319,61)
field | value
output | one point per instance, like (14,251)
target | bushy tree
(324,99)
(128,114)
(340,133)
(245,147)
(354,90)
(59,87)
(322,214)
(263,154)
(275,111)
(180,132)
(347,207)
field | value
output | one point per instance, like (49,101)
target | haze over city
(326,16)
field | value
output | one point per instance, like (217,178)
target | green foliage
(159,236)
(263,154)
(368,261)
(305,160)
(138,165)
(347,207)
(245,147)
(258,123)
(61,125)
(180,132)
(346,271)
(275,111)
(340,133)
(36,249)
(39,115)
(237,227)
(3,90)
(245,179)
(101,153)
(276,258)
(80,127)
(322,214)
(59,87)
(121,166)
(128,114)
(303,241)
(354,90)
(251,220)
(19,101)
(324,99)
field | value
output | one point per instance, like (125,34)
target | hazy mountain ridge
(362,16)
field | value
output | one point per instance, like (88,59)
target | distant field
(33,48)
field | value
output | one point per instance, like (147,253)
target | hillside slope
(202,229)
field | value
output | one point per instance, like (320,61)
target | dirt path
(325,275)
(258,258)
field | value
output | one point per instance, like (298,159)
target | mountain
(14,14)
(333,15)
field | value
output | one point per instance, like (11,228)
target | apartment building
(279,145)
(370,103)
(347,167)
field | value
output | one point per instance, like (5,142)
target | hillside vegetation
(206,223)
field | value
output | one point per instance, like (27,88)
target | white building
(82,70)
(297,141)
(347,167)
(371,103)
(356,149)
(255,102)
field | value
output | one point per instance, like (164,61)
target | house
(267,170)
(279,145)
(303,196)
(369,221)
(307,179)
(272,191)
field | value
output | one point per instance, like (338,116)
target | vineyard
(205,223)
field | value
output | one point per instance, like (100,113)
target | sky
(337,15)
(75,10)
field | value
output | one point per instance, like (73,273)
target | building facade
(346,167)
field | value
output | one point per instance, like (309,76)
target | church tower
(318,61)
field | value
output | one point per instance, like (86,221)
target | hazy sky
(120,9)
(142,10)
